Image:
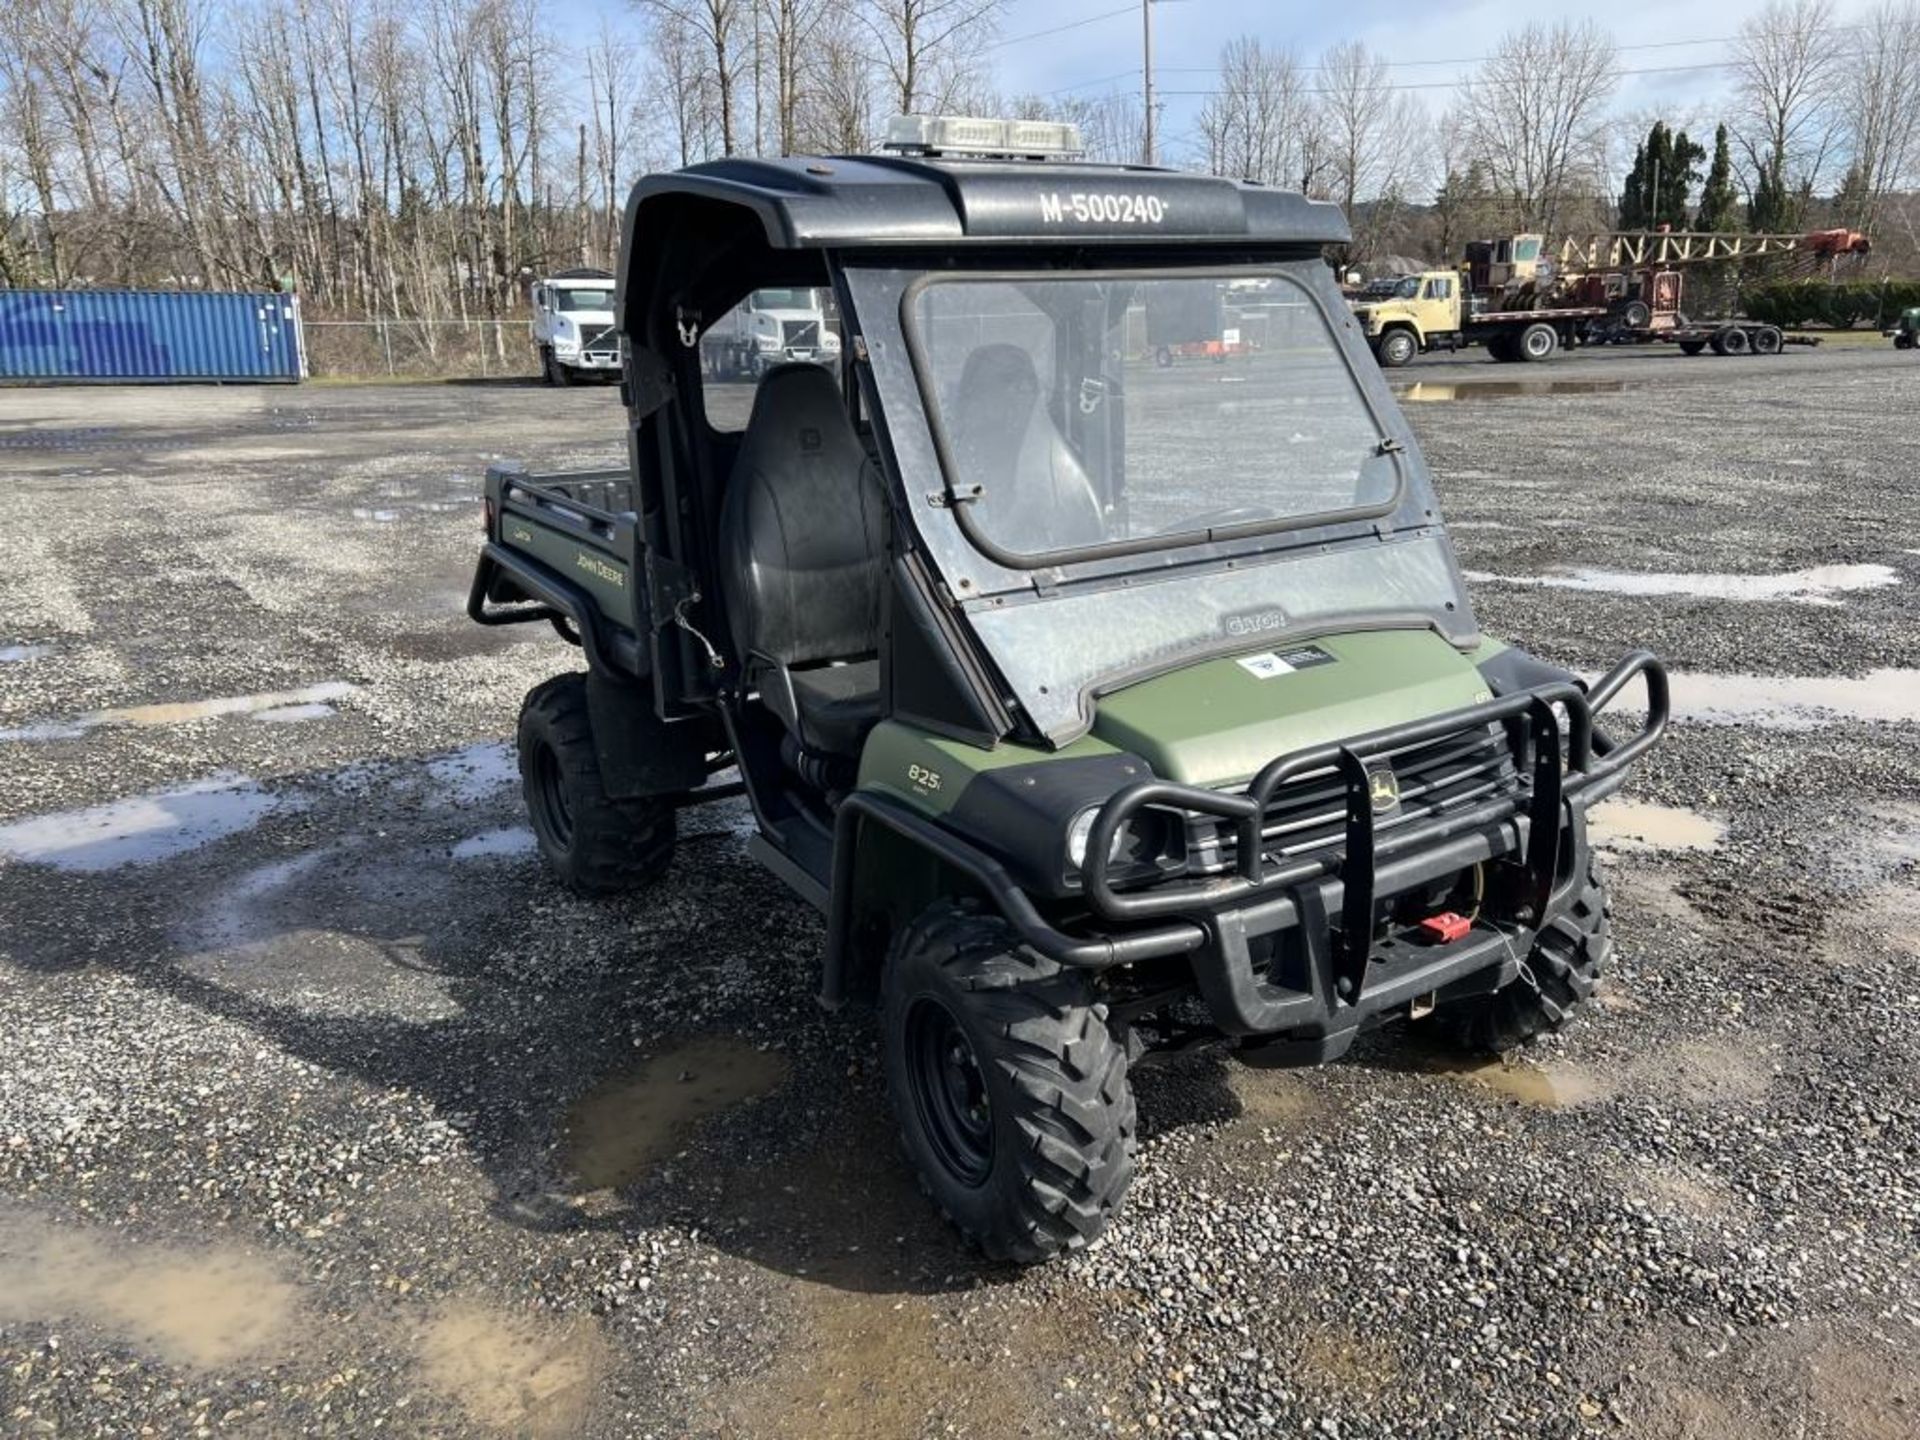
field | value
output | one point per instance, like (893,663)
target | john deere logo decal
(1383,789)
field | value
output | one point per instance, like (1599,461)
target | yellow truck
(1524,299)
(1434,310)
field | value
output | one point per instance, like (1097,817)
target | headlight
(830,342)
(1148,840)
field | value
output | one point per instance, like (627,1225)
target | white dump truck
(768,327)
(572,326)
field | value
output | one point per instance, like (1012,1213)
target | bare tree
(1376,142)
(930,50)
(1261,124)
(1112,126)
(716,25)
(1533,117)
(1787,70)
(1881,104)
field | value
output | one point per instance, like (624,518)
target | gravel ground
(322,1111)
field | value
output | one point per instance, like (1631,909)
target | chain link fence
(423,348)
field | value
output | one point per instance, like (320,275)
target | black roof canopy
(683,225)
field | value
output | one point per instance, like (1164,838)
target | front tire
(1009,1084)
(1558,977)
(1397,348)
(596,845)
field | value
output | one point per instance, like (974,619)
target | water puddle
(369,516)
(616,1131)
(310,702)
(20,654)
(1803,702)
(205,1307)
(1642,826)
(294,714)
(508,843)
(518,1374)
(474,772)
(1427,391)
(143,829)
(1816,585)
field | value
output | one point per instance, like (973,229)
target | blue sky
(1188,35)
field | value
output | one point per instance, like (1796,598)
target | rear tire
(1692,347)
(595,845)
(1009,1085)
(1768,340)
(1557,978)
(1536,343)
(1729,340)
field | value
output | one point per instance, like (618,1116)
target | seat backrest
(1037,495)
(802,527)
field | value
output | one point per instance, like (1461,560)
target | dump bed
(566,547)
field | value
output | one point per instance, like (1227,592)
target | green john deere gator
(1103,706)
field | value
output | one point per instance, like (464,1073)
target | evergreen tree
(1719,205)
(1853,204)
(1772,208)
(1665,168)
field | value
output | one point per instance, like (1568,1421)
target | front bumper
(1339,973)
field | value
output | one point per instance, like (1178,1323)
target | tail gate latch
(1444,928)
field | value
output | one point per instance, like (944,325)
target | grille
(597,337)
(1310,813)
(800,334)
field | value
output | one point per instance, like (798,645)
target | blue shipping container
(79,335)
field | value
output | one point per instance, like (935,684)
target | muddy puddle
(20,654)
(1816,585)
(309,702)
(1641,825)
(1556,1086)
(1430,391)
(204,1307)
(616,1132)
(516,1374)
(144,829)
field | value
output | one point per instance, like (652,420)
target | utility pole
(1146,69)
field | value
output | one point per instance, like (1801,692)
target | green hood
(1217,722)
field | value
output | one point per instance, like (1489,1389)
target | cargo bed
(566,548)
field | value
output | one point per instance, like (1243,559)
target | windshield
(1280,370)
(1093,412)
(572,297)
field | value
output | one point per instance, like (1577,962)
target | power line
(1099,80)
(1062,29)
(1463,84)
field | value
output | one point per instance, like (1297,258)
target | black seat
(802,559)
(1037,497)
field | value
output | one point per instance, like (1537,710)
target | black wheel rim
(949,1092)
(549,798)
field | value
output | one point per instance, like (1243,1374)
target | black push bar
(1533,734)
